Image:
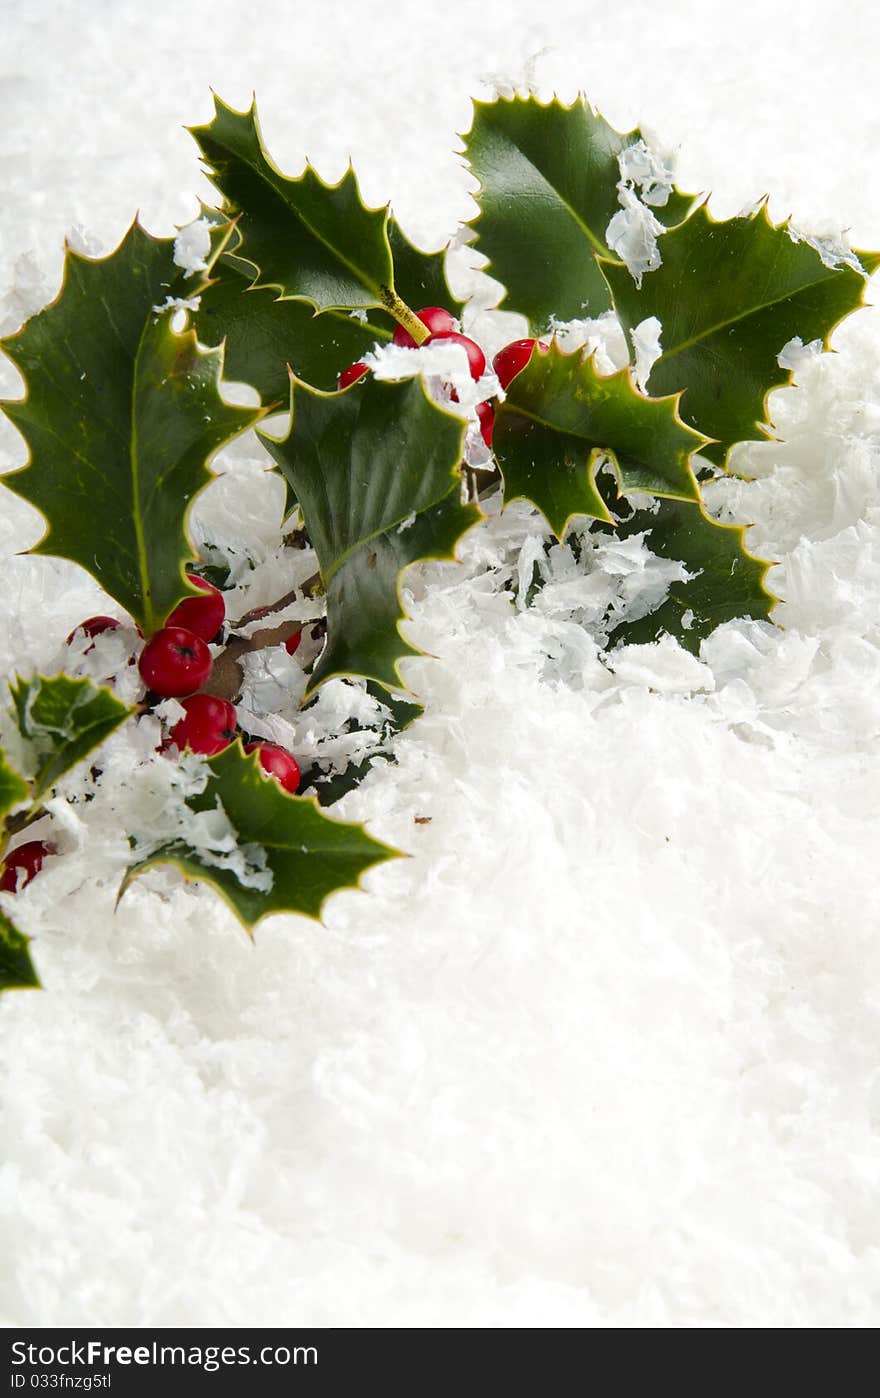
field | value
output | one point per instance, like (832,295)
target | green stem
(404,316)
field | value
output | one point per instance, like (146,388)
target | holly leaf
(121,416)
(13,788)
(290,856)
(419,277)
(549,176)
(311,241)
(375,472)
(16,968)
(724,581)
(729,296)
(266,336)
(63,720)
(562,419)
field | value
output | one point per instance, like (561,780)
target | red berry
(209,726)
(292,643)
(486,414)
(511,360)
(94,626)
(202,615)
(476,357)
(434,317)
(174,662)
(278,763)
(23,864)
(351,375)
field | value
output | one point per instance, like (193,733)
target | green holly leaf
(63,720)
(266,336)
(13,789)
(311,241)
(561,420)
(16,968)
(419,277)
(725,581)
(121,416)
(375,472)
(729,296)
(290,856)
(549,176)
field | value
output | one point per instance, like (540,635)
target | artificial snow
(647,349)
(652,170)
(192,247)
(602,337)
(794,353)
(603,1050)
(632,234)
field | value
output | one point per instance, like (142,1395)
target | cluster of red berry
(174,664)
(508,362)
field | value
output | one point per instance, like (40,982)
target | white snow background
(606,1050)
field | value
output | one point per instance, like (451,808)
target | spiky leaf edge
(40,548)
(634,134)
(159,859)
(766,430)
(601,454)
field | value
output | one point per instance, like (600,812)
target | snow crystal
(832,245)
(632,234)
(192,247)
(274,682)
(442,365)
(794,353)
(663,667)
(652,170)
(602,337)
(169,711)
(647,347)
(215,841)
(182,306)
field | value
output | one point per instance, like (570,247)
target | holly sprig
(299,289)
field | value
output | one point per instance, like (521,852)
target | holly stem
(404,316)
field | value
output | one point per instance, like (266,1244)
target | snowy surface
(604,1051)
